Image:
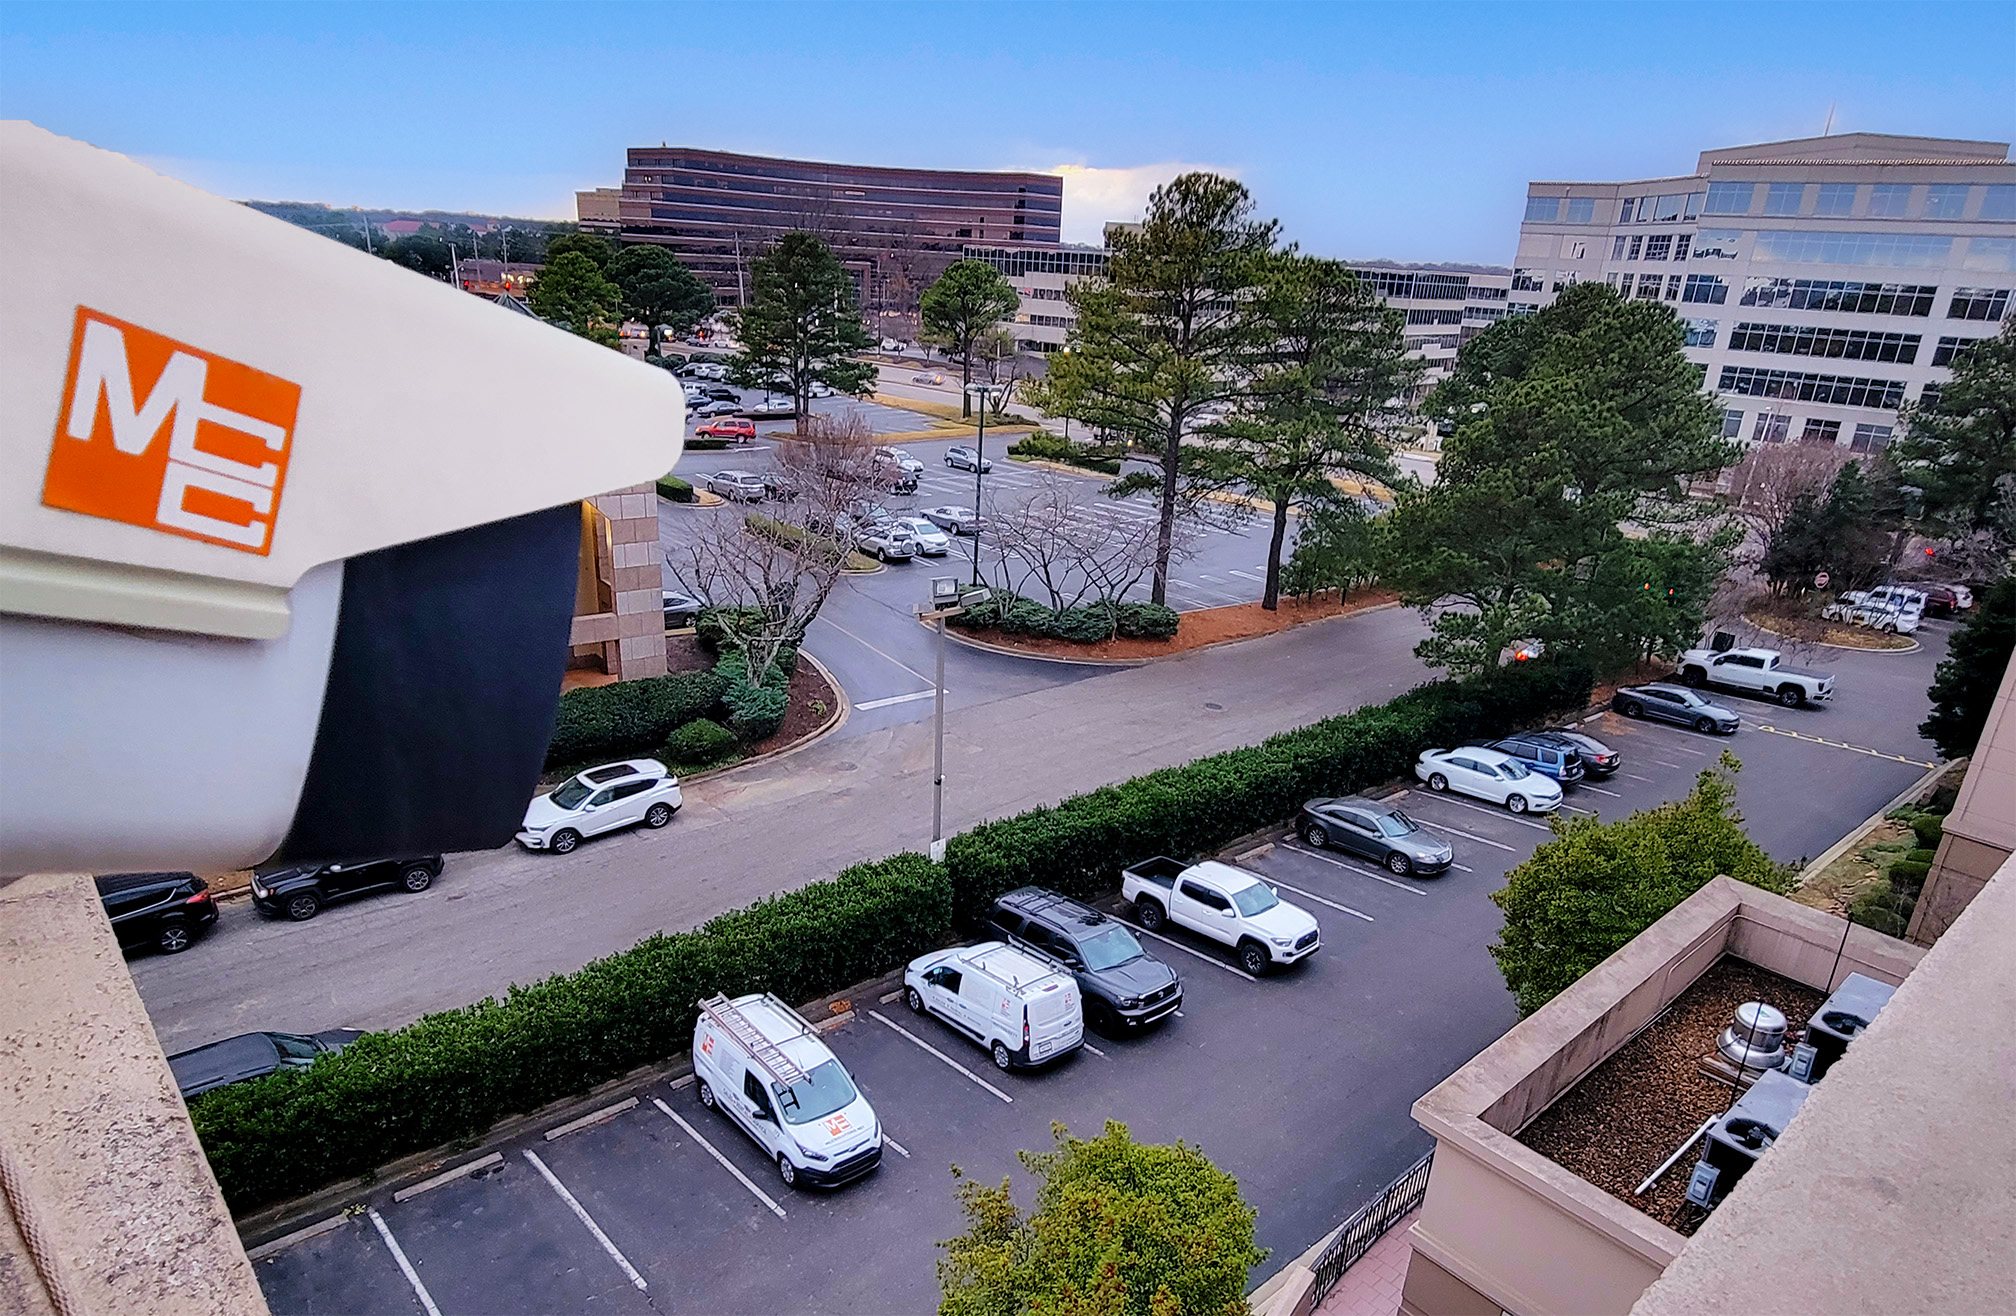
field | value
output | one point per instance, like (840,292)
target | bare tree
(771,570)
(1067,546)
(1772,477)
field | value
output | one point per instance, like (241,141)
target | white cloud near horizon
(1095,197)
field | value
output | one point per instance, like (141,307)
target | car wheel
(658,815)
(1704,724)
(303,906)
(1631,708)
(1314,834)
(417,878)
(1002,1060)
(1888,628)
(1791,696)
(1100,1017)
(1399,864)
(707,1095)
(913,1000)
(565,840)
(787,1171)
(173,938)
(1437,782)
(1253,957)
(1150,914)
(1695,677)
(1516,803)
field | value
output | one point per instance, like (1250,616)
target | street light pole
(979,460)
(938,755)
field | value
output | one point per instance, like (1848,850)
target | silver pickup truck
(1757,671)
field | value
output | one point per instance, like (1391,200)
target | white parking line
(581,1213)
(715,1152)
(1635,777)
(1188,950)
(592,1117)
(1247,575)
(877,652)
(448,1176)
(1353,868)
(1503,815)
(1311,895)
(1468,836)
(1461,868)
(910,698)
(1574,809)
(1093,1049)
(877,1014)
(405,1266)
(896,1146)
(1600,791)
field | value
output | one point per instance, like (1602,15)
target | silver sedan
(953,520)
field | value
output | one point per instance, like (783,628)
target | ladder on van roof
(760,1048)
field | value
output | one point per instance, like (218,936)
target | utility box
(1842,1018)
(1752,1125)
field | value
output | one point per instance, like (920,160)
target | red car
(742,431)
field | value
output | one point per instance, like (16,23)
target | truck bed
(1806,672)
(1159,871)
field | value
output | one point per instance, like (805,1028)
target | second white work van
(1023,1010)
(759,1063)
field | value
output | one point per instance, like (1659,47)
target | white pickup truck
(1758,671)
(1226,904)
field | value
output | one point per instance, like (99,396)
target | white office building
(1823,281)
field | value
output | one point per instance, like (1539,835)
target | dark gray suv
(1125,987)
(1377,831)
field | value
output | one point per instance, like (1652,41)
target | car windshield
(571,795)
(825,1090)
(1397,823)
(299,1050)
(1514,769)
(1255,899)
(1110,947)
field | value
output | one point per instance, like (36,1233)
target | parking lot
(1297,1083)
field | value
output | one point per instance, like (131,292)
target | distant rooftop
(1860,148)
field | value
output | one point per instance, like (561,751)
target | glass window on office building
(1637,245)
(1998,201)
(1648,288)
(1581,210)
(1950,350)
(1889,200)
(1945,200)
(1617,247)
(1668,208)
(1978,304)
(1705,288)
(1783,198)
(1836,199)
(1716,243)
(1732,423)
(1543,209)
(1729,198)
(1529,280)
(1659,247)
(1680,246)
(1826,433)
(1771,428)
(1701,333)
(1989,255)
(1870,438)
(1673,287)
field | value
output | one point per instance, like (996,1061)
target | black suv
(162,910)
(1124,986)
(300,892)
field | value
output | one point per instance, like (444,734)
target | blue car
(1560,762)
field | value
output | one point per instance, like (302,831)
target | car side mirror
(1230,913)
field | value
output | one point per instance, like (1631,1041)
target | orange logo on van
(230,428)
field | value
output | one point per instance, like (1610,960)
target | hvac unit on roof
(1840,1019)
(1735,1141)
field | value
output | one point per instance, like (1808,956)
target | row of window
(1951,349)
(1043,294)
(1049,321)
(1667,209)
(1434,340)
(1978,304)
(1435,317)
(1885,200)
(1558,210)
(1405,285)
(1659,246)
(1776,427)
(1746,381)
(1016,263)
(1840,295)
(1811,340)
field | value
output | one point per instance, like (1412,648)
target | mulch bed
(1802,629)
(1195,630)
(1616,1125)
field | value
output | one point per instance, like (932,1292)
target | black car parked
(1377,831)
(1124,986)
(163,910)
(300,892)
(252,1055)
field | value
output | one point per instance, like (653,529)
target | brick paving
(1372,1287)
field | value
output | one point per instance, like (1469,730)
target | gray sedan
(953,520)
(744,485)
(1377,831)
(1676,704)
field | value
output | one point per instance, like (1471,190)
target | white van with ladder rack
(1023,1010)
(758,1062)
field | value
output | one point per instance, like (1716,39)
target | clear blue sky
(1405,131)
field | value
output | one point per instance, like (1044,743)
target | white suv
(1023,1010)
(600,800)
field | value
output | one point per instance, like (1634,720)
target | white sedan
(1489,775)
(600,800)
(931,541)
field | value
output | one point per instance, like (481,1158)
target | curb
(1867,825)
(989,647)
(701,498)
(1916,647)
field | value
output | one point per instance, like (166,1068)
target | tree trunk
(1165,530)
(1270,597)
(966,381)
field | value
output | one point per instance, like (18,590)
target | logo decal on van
(230,430)
(837,1125)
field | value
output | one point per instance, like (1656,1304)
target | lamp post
(947,600)
(989,394)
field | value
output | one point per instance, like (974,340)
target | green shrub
(1079,846)
(1910,870)
(1922,856)
(1042,445)
(675,489)
(1092,625)
(1146,621)
(706,443)
(707,628)
(452,1075)
(1928,827)
(629,717)
(755,712)
(698,745)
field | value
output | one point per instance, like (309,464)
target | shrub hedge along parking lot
(451,1075)
(629,717)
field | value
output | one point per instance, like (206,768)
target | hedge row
(1079,846)
(453,1075)
(629,717)
(1012,614)
(675,489)
(698,745)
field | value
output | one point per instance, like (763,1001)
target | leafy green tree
(1597,885)
(802,325)
(965,302)
(1841,532)
(1570,425)
(1337,548)
(1172,326)
(1960,452)
(658,289)
(592,245)
(1120,1228)
(1965,683)
(1327,387)
(570,291)
(424,252)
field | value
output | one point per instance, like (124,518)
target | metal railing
(1369,1224)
